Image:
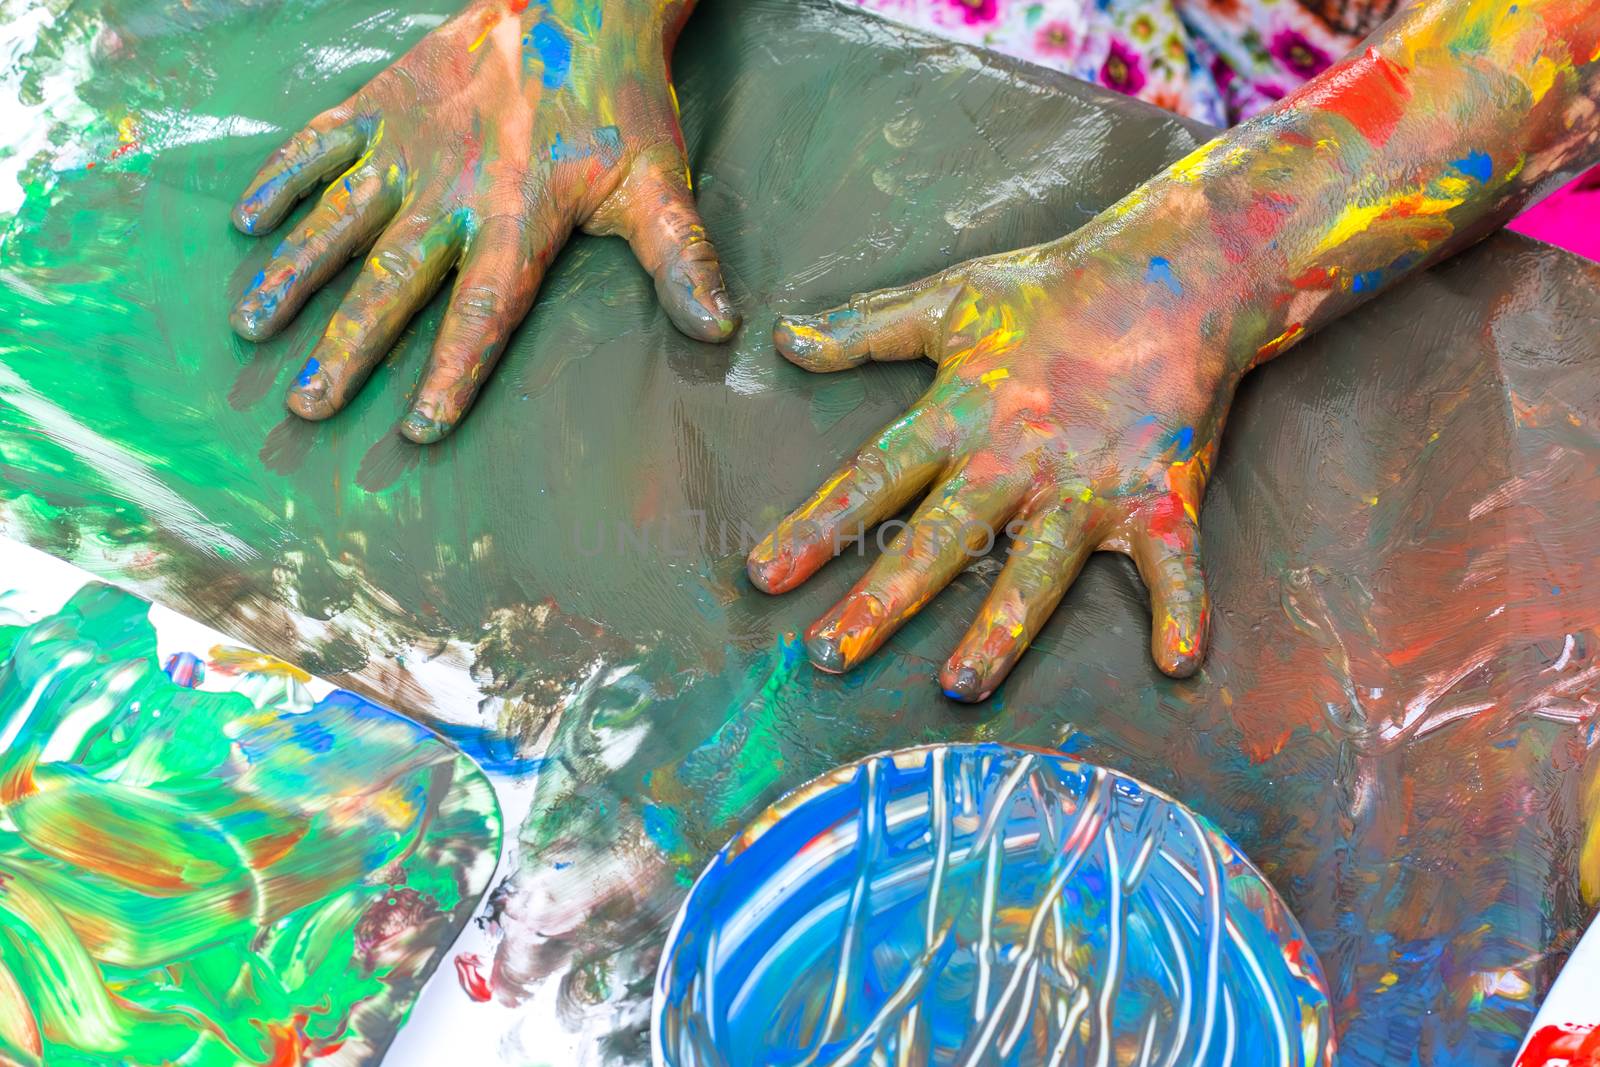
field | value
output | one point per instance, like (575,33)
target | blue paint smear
(608,142)
(560,150)
(1477,166)
(312,735)
(1367,282)
(308,372)
(1183,440)
(1161,271)
(783,968)
(555,51)
(493,752)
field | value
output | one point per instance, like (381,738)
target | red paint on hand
(1369,91)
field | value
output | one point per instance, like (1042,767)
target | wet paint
(984,904)
(1387,718)
(220,876)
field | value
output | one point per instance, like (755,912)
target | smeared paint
(555,54)
(215,878)
(1562,1046)
(1018,907)
(1160,273)
(1476,165)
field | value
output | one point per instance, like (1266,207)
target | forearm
(1440,128)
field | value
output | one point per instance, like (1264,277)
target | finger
(1166,547)
(351,213)
(890,324)
(1045,557)
(955,525)
(327,145)
(662,224)
(500,274)
(402,273)
(882,478)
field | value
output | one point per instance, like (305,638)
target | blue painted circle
(985,904)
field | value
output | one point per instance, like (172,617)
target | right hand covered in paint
(481,150)
(1082,384)
(1048,422)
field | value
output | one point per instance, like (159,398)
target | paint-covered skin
(481,150)
(1083,384)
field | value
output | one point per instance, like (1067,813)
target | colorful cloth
(1219,61)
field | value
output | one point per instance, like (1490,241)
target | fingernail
(964,683)
(308,397)
(423,430)
(729,316)
(314,406)
(825,654)
(798,336)
(769,572)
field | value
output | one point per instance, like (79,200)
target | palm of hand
(1058,416)
(481,150)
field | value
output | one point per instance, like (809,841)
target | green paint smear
(203,878)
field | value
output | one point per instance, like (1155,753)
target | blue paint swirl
(959,904)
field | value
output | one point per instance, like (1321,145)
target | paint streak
(215,878)
(1562,1046)
(554,52)
(1037,904)
(1369,91)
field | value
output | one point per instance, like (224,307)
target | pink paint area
(1568,218)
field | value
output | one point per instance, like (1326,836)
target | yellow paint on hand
(1356,219)
(993,377)
(1191,167)
(1540,78)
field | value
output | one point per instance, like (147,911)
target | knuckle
(398,265)
(478,305)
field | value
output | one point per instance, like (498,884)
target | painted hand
(481,150)
(1065,415)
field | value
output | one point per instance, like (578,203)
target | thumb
(890,324)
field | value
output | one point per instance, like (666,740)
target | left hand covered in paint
(481,150)
(1053,418)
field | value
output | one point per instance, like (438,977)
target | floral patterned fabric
(1220,61)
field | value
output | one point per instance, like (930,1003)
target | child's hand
(1063,413)
(480,150)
